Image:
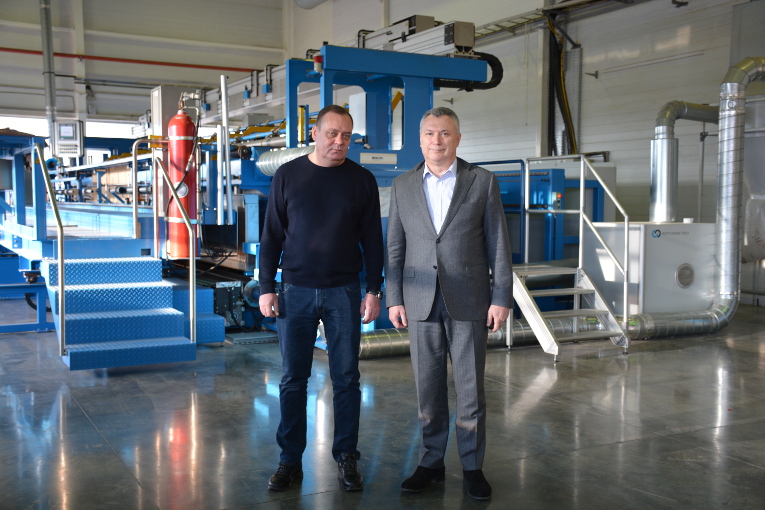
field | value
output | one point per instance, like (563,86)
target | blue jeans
(300,309)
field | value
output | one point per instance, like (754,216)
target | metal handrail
(503,162)
(226,150)
(605,186)
(583,218)
(192,252)
(525,219)
(623,269)
(525,210)
(221,163)
(603,242)
(155,195)
(134,174)
(60,252)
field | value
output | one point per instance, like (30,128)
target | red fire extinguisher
(181,134)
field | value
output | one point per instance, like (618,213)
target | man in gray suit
(449,276)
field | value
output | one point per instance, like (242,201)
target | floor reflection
(676,423)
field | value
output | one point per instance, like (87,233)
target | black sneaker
(285,474)
(348,473)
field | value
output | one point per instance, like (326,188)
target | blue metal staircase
(211,327)
(119,312)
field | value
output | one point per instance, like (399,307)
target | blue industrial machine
(111,218)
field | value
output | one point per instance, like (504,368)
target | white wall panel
(504,122)
(478,12)
(646,56)
(310,27)
(243,22)
(350,16)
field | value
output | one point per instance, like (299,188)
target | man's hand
(269,304)
(497,316)
(397,315)
(370,308)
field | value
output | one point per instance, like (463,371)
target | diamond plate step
(211,328)
(525,270)
(128,353)
(95,327)
(114,296)
(96,271)
(560,292)
(205,297)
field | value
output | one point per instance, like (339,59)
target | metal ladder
(594,320)
(592,317)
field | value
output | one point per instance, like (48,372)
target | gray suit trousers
(432,340)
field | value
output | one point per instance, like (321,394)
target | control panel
(69,139)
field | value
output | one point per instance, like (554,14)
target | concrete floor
(675,424)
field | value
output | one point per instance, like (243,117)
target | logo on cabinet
(656,233)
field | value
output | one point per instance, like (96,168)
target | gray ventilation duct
(269,162)
(383,343)
(664,155)
(728,233)
(308,4)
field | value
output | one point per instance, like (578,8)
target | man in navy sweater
(322,222)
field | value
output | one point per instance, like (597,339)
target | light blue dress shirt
(438,193)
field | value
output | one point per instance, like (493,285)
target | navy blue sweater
(318,221)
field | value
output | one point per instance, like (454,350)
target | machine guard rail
(134,174)
(583,218)
(59,251)
(192,249)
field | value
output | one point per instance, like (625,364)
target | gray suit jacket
(473,240)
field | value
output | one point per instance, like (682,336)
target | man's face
(332,137)
(439,140)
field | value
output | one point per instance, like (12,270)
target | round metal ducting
(251,293)
(685,275)
(309,4)
(269,162)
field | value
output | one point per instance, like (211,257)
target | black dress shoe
(348,473)
(422,477)
(477,486)
(285,474)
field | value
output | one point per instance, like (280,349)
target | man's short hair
(332,108)
(440,111)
